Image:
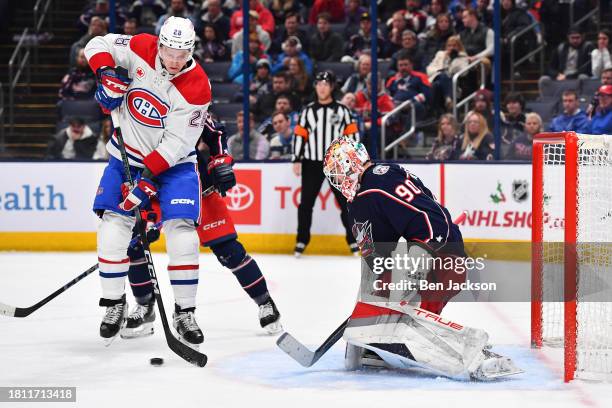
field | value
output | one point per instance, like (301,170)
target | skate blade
(143,331)
(274,327)
(506,370)
(108,341)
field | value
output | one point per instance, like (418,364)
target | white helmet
(177,33)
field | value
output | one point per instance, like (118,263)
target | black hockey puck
(157,361)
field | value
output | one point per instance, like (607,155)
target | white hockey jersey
(161,116)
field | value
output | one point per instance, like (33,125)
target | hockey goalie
(396,322)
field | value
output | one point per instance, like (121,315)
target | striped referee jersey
(318,126)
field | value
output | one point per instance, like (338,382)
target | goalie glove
(220,169)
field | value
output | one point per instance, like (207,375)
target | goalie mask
(344,162)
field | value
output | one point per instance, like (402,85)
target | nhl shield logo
(146,108)
(520,190)
(380,169)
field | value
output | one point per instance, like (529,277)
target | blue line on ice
(272,367)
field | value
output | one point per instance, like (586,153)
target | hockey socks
(138,274)
(232,255)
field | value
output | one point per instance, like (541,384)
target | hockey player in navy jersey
(216,231)
(403,328)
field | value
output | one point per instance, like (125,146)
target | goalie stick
(180,349)
(300,353)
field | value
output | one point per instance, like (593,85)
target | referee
(320,122)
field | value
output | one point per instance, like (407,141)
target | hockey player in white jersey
(396,321)
(161,101)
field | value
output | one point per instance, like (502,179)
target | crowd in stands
(422,44)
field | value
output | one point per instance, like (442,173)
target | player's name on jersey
(423,284)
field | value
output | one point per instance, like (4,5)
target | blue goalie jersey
(392,203)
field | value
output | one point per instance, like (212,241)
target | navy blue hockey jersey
(215,138)
(392,203)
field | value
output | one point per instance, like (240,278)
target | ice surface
(59,345)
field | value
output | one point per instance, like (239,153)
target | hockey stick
(13,311)
(182,350)
(300,353)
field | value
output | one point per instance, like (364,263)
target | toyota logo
(240,197)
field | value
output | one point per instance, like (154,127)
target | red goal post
(572,190)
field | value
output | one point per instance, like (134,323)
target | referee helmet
(326,76)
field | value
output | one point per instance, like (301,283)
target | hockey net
(572,257)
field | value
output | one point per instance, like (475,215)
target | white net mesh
(594,255)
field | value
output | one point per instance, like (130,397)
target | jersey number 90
(408,190)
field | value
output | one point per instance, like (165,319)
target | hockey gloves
(112,86)
(220,169)
(139,196)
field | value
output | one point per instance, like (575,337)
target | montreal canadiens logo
(146,108)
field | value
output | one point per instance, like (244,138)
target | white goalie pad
(418,338)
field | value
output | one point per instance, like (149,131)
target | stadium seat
(217,71)
(226,92)
(383,68)
(588,87)
(226,111)
(342,69)
(546,110)
(555,88)
(337,28)
(231,127)
(89,110)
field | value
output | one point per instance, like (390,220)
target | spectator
(441,70)
(211,48)
(106,132)
(571,59)
(394,33)
(416,18)
(601,123)
(130,27)
(326,45)
(448,141)
(353,13)
(97,26)
(521,147)
(572,118)
(357,81)
(411,47)
(334,9)
(291,28)
(483,105)
(477,38)
(281,85)
(477,142)
(214,15)
(80,81)
(513,120)
(407,85)
(254,28)
(281,145)
(264,17)
(600,56)
(300,81)
(281,9)
(262,83)
(147,12)
(178,8)
(291,48)
(259,148)
(485,12)
(101,10)
(255,54)
(282,104)
(360,42)
(76,142)
(349,100)
(436,8)
(515,19)
(606,79)
(363,102)
(436,37)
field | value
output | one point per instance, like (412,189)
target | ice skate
(113,320)
(187,328)
(269,317)
(494,366)
(139,323)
